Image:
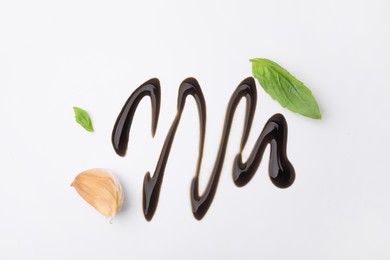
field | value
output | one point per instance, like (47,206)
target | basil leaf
(83,118)
(285,88)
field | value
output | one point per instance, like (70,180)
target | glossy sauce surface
(274,133)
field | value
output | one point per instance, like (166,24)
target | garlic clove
(101,190)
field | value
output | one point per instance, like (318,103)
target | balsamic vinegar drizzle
(281,171)
(120,134)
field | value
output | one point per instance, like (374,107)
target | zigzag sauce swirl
(281,171)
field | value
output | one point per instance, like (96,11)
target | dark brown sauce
(120,134)
(281,171)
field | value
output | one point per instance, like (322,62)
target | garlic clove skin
(100,189)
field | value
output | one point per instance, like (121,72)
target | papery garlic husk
(101,190)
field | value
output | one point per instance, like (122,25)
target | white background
(58,54)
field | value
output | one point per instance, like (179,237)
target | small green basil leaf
(83,118)
(285,88)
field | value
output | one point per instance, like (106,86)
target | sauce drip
(281,171)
